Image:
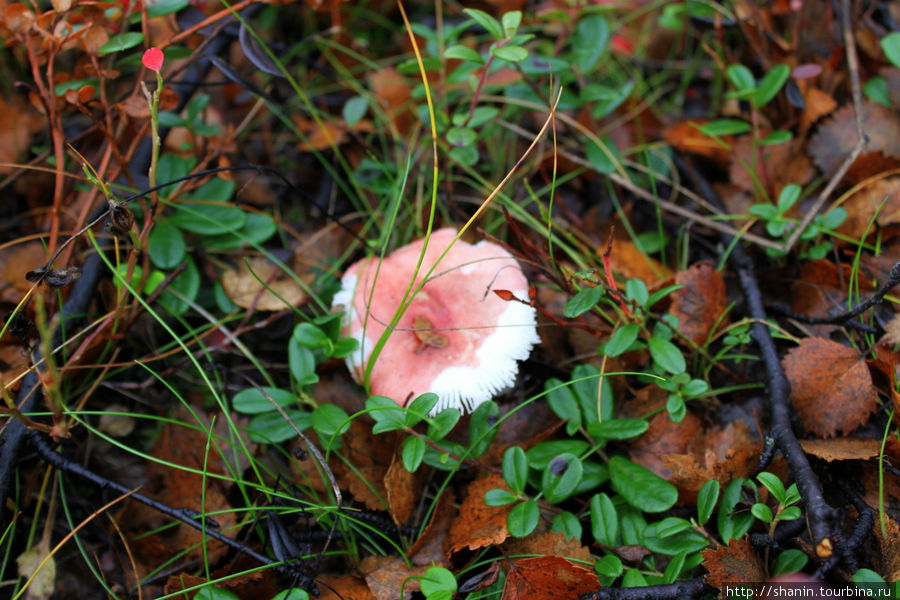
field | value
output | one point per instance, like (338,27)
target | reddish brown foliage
(548,578)
(831,388)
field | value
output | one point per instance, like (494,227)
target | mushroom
(456,338)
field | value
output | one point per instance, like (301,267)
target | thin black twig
(821,517)
(184,515)
(695,588)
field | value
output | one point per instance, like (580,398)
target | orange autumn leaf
(831,387)
(548,578)
(699,305)
(842,448)
(480,525)
(735,563)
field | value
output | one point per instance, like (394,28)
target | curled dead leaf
(699,305)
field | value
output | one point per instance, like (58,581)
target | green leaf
(487,22)
(309,335)
(499,497)
(621,339)
(791,513)
(685,541)
(166,245)
(676,408)
(171,167)
(208,219)
(253,401)
(567,524)
(740,77)
(344,347)
(482,428)
(875,89)
(891,46)
(666,355)
(563,403)
(187,284)
(440,458)
(167,119)
(604,159)
(583,301)
(618,429)
(540,455)
(733,526)
(673,569)
(510,53)
(764,211)
(458,51)
(292,594)
(420,408)
(590,41)
(604,520)
(442,424)
(214,593)
(636,290)
(257,228)
(724,127)
(329,420)
(272,427)
(788,197)
(388,415)
(511,22)
(640,487)
(412,453)
(762,512)
(438,583)
(595,474)
(461,136)
(706,500)
(773,484)
(609,566)
(302,363)
(671,526)
(354,110)
(120,42)
(789,561)
(771,84)
(523,518)
(464,155)
(515,469)
(161,8)
(561,477)
(776,137)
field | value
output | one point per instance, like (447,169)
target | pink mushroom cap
(457,338)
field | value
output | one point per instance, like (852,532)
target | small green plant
(278,414)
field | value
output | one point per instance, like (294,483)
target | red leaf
(153,59)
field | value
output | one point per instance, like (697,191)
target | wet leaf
(831,388)
(548,578)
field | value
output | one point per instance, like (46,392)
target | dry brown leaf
(836,137)
(720,454)
(402,488)
(775,166)
(686,137)
(819,290)
(735,563)
(818,104)
(548,578)
(17,124)
(243,287)
(700,303)
(889,543)
(387,575)
(431,546)
(483,525)
(392,91)
(548,542)
(370,455)
(343,587)
(842,448)
(177,487)
(879,199)
(630,262)
(831,388)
